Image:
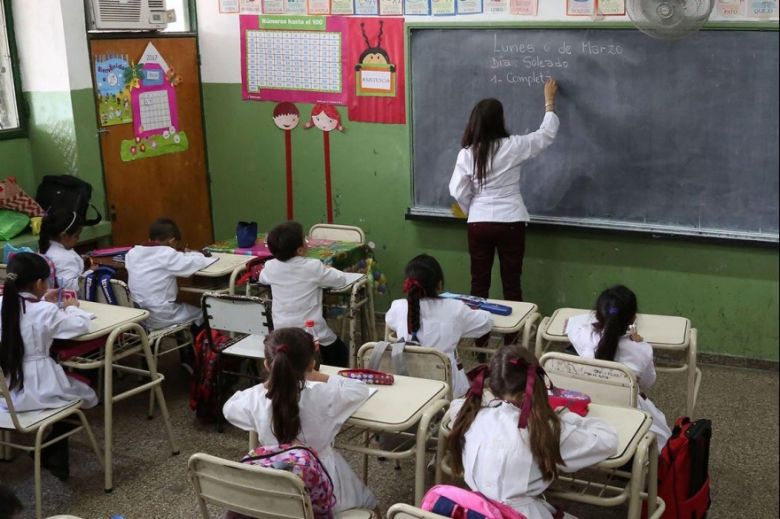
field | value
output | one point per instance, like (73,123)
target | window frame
(21,108)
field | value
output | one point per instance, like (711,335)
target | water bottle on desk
(309,328)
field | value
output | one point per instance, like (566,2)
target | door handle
(112,213)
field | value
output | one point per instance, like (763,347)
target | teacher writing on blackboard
(486,186)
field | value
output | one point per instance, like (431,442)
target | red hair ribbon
(282,349)
(410,283)
(532,370)
(477,380)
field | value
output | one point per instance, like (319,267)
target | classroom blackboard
(675,137)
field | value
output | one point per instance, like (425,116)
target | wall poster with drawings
(155,113)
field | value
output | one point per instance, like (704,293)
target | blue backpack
(100,277)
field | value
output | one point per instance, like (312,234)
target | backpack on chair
(459,503)
(100,278)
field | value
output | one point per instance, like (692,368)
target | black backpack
(68,193)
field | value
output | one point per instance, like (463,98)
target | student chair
(420,362)
(3,271)
(404,511)
(37,422)
(355,298)
(247,320)
(163,340)
(253,491)
(606,382)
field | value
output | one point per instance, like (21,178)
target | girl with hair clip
(299,404)
(609,334)
(28,325)
(432,321)
(60,232)
(511,446)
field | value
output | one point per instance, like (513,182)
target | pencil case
(574,401)
(369,376)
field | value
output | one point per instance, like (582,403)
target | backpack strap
(376,355)
(93,221)
(397,354)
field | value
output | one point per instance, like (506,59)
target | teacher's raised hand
(550,89)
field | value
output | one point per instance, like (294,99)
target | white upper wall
(220,44)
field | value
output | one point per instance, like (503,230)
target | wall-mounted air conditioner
(127,14)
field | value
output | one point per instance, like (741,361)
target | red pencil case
(574,401)
(369,376)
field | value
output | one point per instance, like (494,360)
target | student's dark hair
(423,276)
(482,134)
(285,239)
(55,224)
(509,369)
(163,229)
(24,269)
(615,311)
(289,352)
(9,503)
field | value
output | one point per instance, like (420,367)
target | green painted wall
(16,161)
(730,292)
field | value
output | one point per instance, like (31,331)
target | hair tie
(613,310)
(71,222)
(410,283)
(525,408)
(13,276)
(282,349)
(477,381)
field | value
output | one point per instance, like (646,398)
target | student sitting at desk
(511,448)
(303,405)
(611,335)
(296,288)
(29,325)
(60,232)
(432,321)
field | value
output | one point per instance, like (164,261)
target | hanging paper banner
(442,7)
(228,6)
(417,7)
(113,79)
(274,6)
(524,7)
(345,7)
(391,8)
(377,73)
(293,58)
(497,6)
(317,7)
(296,7)
(580,7)
(611,7)
(250,6)
(731,8)
(762,8)
(367,7)
(468,6)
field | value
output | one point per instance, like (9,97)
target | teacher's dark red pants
(485,238)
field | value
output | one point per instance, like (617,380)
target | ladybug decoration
(375,73)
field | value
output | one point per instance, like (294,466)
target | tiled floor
(150,483)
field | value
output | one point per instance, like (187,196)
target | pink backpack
(459,503)
(304,463)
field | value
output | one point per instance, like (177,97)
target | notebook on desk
(352,278)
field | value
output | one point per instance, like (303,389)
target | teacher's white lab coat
(637,356)
(152,273)
(68,265)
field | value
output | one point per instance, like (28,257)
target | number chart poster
(293,58)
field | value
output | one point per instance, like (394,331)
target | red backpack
(204,391)
(683,475)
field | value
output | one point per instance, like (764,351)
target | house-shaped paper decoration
(154,102)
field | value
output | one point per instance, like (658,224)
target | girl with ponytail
(60,232)
(299,404)
(510,445)
(432,321)
(609,333)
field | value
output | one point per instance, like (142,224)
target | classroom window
(182,23)
(9,102)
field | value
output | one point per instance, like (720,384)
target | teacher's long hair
(482,134)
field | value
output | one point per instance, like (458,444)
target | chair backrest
(606,382)
(233,313)
(248,489)
(421,362)
(404,511)
(3,271)
(329,231)
(121,292)
(5,394)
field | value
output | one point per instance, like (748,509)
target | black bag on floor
(68,193)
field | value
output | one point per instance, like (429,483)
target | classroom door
(157,170)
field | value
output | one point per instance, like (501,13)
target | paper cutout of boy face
(286,116)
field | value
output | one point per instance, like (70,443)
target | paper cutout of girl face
(286,116)
(326,118)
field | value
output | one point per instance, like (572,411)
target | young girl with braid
(510,445)
(432,321)
(299,404)
(608,334)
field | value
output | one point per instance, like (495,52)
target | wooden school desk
(663,332)
(125,338)
(635,441)
(407,403)
(219,277)
(523,317)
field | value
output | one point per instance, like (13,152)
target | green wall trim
(729,291)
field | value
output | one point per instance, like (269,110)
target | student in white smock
(510,445)
(296,285)
(609,334)
(29,325)
(60,232)
(152,269)
(432,321)
(300,404)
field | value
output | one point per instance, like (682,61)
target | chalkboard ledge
(436,214)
